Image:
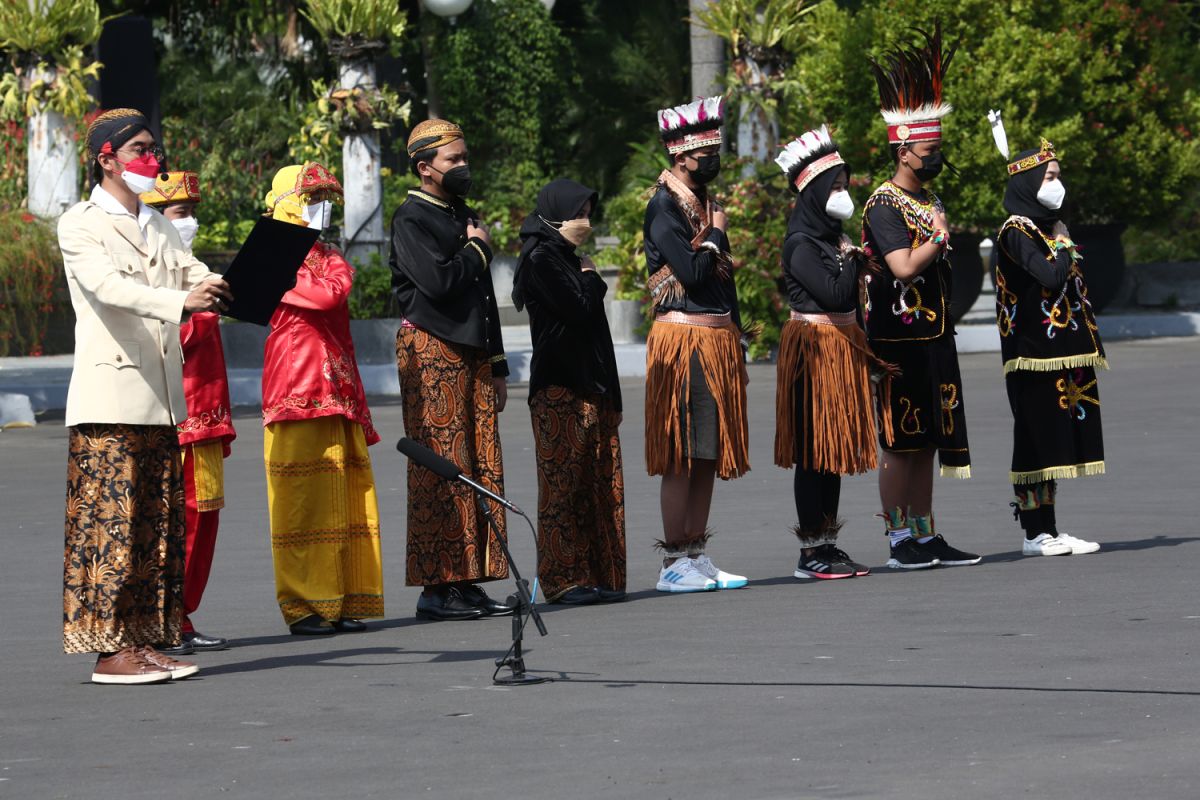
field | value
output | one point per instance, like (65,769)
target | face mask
(187,227)
(840,205)
(931,165)
(456,181)
(576,231)
(707,168)
(1051,194)
(139,174)
(316,215)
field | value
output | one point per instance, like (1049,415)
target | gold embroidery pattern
(949,393)
(909,312)
(1073,395)
(910,421)
(1006,305)
(217,417)
(338,370)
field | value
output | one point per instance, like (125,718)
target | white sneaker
(1046,545)
(682,576)
(1079,547)
(724,580)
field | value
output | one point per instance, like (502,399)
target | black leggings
(817,495)
(1041,519)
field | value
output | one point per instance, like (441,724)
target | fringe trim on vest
(956,472)
(668,357)
(1054,364)
(1058,473)
(834,364)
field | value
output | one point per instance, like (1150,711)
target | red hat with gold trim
(910,89)
(173,187)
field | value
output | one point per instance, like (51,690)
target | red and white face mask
(140,173)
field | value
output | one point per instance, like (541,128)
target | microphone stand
(514,659)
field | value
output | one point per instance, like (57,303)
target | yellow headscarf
(291,187)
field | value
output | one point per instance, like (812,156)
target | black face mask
(456,181)
(707,168)
(931,165)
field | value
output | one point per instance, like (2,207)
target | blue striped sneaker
(682,576)
(724,580)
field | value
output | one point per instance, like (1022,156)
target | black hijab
(1020,197)
(558,201)
(809,217)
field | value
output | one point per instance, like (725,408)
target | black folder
(265,268)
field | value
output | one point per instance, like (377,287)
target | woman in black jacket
(575,402)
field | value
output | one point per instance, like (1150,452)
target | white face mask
(317,214)
(840,205)
(187,227)
(138,184)
(1051,194)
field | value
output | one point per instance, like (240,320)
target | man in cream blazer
(132,282)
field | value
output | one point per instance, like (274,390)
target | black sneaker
(910,555)
(833,553)
(940,550)
(821,565)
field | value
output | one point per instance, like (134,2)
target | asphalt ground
(1048,678)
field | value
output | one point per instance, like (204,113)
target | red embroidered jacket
(309,369)
(205,384)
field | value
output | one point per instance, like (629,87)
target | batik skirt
(324,519)
(123,560)
(926,403)
(449,406)
(581,491)
(1056,424)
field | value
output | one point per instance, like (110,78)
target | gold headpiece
(1038,158)
(173,187)
(431,134)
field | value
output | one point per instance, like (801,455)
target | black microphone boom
(445,468)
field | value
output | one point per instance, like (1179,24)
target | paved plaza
(1044,678)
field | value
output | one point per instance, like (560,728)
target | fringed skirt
(449,406)
(670,386)
(824,418)
(926,403)
(581,491)
(123,560)
(324,519)
(1056,424)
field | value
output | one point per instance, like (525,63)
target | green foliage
(351,22)
(42,29)
(371,297)
(1112,84)
(223,121)
(30,282)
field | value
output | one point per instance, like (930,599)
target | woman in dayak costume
(1050,346)
(824,419)
(320,487)
(695,368)
(907,308)
(575,402)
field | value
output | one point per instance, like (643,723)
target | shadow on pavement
(338,658)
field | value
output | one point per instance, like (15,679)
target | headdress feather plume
(911,81)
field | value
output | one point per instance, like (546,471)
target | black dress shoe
(199,641)
(579,596)
(312,625)
(611,595)
(476,596)
(446,605)
(348,625)
(184,648)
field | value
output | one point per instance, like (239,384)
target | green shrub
(32,288)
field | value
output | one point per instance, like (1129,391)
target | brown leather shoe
(128,667)
(178,669)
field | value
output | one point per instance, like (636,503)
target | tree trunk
(362,230)
(707,52)
(52,162)
(756,132)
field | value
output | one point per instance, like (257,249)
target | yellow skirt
(324,519)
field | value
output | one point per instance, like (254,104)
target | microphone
(445,468)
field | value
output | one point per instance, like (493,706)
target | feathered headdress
(910,89)
(807,156)
(1026,161)
(692,125)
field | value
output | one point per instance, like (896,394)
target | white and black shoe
(946,555)
(833,552)
(1045,545)
(909,555)
(822,565)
